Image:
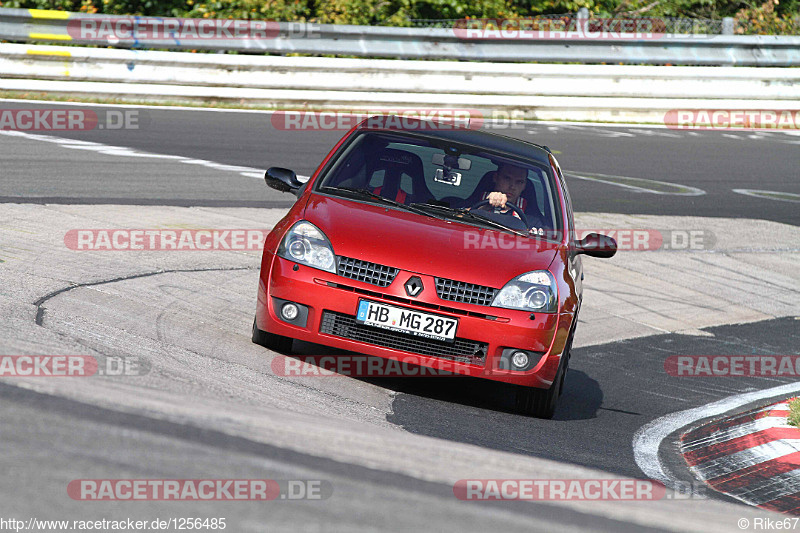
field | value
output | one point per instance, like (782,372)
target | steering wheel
(513,207)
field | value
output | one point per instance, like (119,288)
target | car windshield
(453,181)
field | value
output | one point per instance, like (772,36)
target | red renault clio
(419,238)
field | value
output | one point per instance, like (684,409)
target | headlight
(306,244)
(532,291)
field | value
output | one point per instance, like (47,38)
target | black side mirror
(596,245)
(282,179)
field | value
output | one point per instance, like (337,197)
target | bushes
(394,12)
(295,10)
(765,17)
(361,12)
(401,12)
(115,7)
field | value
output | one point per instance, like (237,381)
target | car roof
(476,137)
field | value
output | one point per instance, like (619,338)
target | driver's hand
(497,199)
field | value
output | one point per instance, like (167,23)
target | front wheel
(540,403)
(276,343)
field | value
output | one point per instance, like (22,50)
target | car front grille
(373,273)
(345,326)
(468,293)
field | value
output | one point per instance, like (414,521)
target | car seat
(396,164)
(484,185)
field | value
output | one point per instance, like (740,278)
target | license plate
(406,321)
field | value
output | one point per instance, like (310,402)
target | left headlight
(306,244)
(532,291)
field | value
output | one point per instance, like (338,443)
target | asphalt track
(612,390)
(110,443)
(717,162)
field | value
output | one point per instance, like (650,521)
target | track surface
(612,389)
(715,162)
(111,445)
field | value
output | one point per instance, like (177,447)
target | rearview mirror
(596,245)
(282,179)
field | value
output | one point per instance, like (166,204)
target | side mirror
(282,179)
(597,245)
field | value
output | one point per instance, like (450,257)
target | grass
(794,412)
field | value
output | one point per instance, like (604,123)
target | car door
(575,263)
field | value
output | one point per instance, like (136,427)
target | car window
(406,170)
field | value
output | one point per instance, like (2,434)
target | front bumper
(482,336)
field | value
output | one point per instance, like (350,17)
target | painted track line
(756,462)
(757,437)
(647,439)
(122,151)
(743,428)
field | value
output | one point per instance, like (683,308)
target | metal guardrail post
(727,26)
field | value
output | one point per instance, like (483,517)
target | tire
(541,403)
(276,343)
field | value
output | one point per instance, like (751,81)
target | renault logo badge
(414,286)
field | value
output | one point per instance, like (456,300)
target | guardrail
(476,80)
(724,26)
(25,25)
(614,93)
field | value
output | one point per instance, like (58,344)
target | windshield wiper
(366,193)
(463,213)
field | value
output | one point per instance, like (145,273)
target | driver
(509,182)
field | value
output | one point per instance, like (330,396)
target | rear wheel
(276,343)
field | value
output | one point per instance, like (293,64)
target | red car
(396,248)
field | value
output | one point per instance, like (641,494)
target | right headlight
(532,291)
(306,244)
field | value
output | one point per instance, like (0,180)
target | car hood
(426,245)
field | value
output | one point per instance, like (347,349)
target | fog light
(289,311)
(519,359)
